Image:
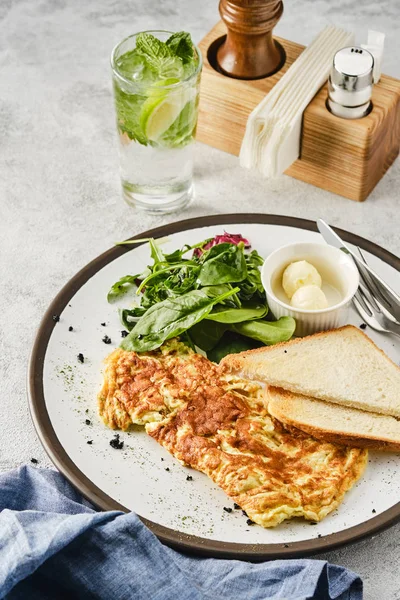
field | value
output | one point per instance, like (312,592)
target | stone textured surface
(60,203)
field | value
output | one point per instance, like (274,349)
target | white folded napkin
(272,139)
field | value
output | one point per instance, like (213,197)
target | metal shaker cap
(352,69)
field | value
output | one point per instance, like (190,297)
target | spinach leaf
(129,317)
(248,312)
(121,287)
(216,290)
(170,318)
(267,332)
(254,259)
(231,343)
(206,334)
(224,263)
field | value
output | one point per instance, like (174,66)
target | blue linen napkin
(55,546)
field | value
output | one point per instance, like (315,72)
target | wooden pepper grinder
(249,51)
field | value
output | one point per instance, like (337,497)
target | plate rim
(190,544)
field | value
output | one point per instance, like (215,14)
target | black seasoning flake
(189,478)
(106,339)
(363,326)
(140,336)
(236,506)
(88,422)
(227,509)
(81,358)
(162,460)
(373,510)
(116,442)
(286,545)
(90,442)
(313,523)
(34,461)
(167,469)
(285,351)
(319,535)
(250,522)
(56,318)
(244,513)
(124,333)
(86,410)
(103,324)
(70,328)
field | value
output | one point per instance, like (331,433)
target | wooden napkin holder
(347,157)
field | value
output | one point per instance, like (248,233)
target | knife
(391,298)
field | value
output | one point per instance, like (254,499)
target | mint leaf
(152,47)
(183,128)
(128,107)
(159,57)
(181,45)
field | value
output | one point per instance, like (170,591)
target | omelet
(219,424)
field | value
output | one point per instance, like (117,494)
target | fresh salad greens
(210,294)
(151,108)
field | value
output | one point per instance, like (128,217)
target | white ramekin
(311,321)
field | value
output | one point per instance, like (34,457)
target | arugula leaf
(170,318)
(157,274)
(121,287)
(175,256)
(183,280)
(155,252)
(181,45)
(224,263)
(154,294)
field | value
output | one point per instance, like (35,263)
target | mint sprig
(158,56)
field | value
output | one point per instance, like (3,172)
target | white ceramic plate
(187,514)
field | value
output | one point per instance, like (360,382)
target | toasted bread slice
(333,423)
(342,366)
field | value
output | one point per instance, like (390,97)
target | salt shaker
(350,83)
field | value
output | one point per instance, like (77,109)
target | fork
(369,303)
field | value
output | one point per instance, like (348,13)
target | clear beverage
(156,78)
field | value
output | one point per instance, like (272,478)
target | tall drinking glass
(156,79)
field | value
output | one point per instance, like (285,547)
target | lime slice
(159,111)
